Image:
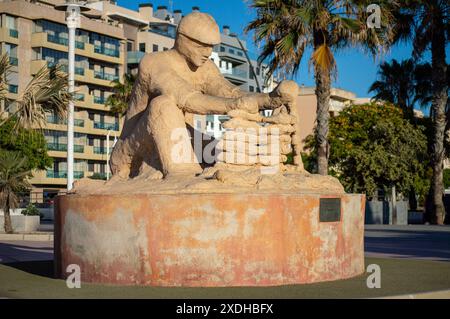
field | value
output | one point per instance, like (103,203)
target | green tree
(118,101)
(27,142)
(373,147)
(426,23)
(286,28)
(13,179)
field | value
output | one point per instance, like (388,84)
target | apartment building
(110,41)
(35,35)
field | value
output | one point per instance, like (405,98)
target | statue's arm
(218,85)
(139,96)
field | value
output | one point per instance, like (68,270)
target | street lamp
(72,9)
(107,151)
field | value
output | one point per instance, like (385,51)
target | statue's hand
(285,93)
(249,104)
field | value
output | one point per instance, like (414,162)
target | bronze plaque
(330,210)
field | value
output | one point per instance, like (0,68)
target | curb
(28,237)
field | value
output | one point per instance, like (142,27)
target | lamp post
(107,151)
(72,9)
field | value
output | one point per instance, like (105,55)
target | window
(222,49)
(142,47)
(257,71)
(251,88)
(129,46)
(250,72)
(155,48)
(165,49)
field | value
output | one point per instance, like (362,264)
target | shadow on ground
(398,277)
(419,244)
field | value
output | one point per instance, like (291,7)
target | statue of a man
(169,84)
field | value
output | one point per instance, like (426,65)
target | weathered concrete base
(208,239)
(21,223)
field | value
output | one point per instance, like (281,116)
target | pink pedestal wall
(208,239)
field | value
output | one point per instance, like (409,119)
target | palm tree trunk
(7,221)
(323,80)
(439,67)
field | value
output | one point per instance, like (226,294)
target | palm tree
(426,22)
(46,92)
(405,84)
(118,101)
(13,179)
(396,84)
(288,27)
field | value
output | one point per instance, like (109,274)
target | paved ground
(402,277)
(414,241)
(26,271)
(13,251)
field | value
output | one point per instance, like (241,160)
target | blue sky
(356,71)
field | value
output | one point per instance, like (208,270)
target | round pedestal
(210,239)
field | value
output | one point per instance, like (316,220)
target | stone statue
(254,218)
(170,83)
(184,80)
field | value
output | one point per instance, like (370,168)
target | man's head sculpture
(196,35)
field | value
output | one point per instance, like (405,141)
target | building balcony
(43,39)
(13,88)
(106,126)
(234,55)
(13,61)
(134,57)
(63,174)
(78,96)
(81,74)
(9,35)
(60,147)
(101,150)
(106,51)
(105,76)
(236,75)
(52,119)
(64,41)
(13,33)
(99,99)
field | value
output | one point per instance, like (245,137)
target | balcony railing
(78,148)
(236,72)
(13,61)
(106,126)
(13,33)
(78,97)
(55,120)
(64,41)
(13,88)
(78,122)
(106,51)
(63,174)
(98,175)
(105,76)
(58,40)
(101,150)
(59,147)
(99,99)
(134,57)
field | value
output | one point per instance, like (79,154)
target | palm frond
(46,92)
